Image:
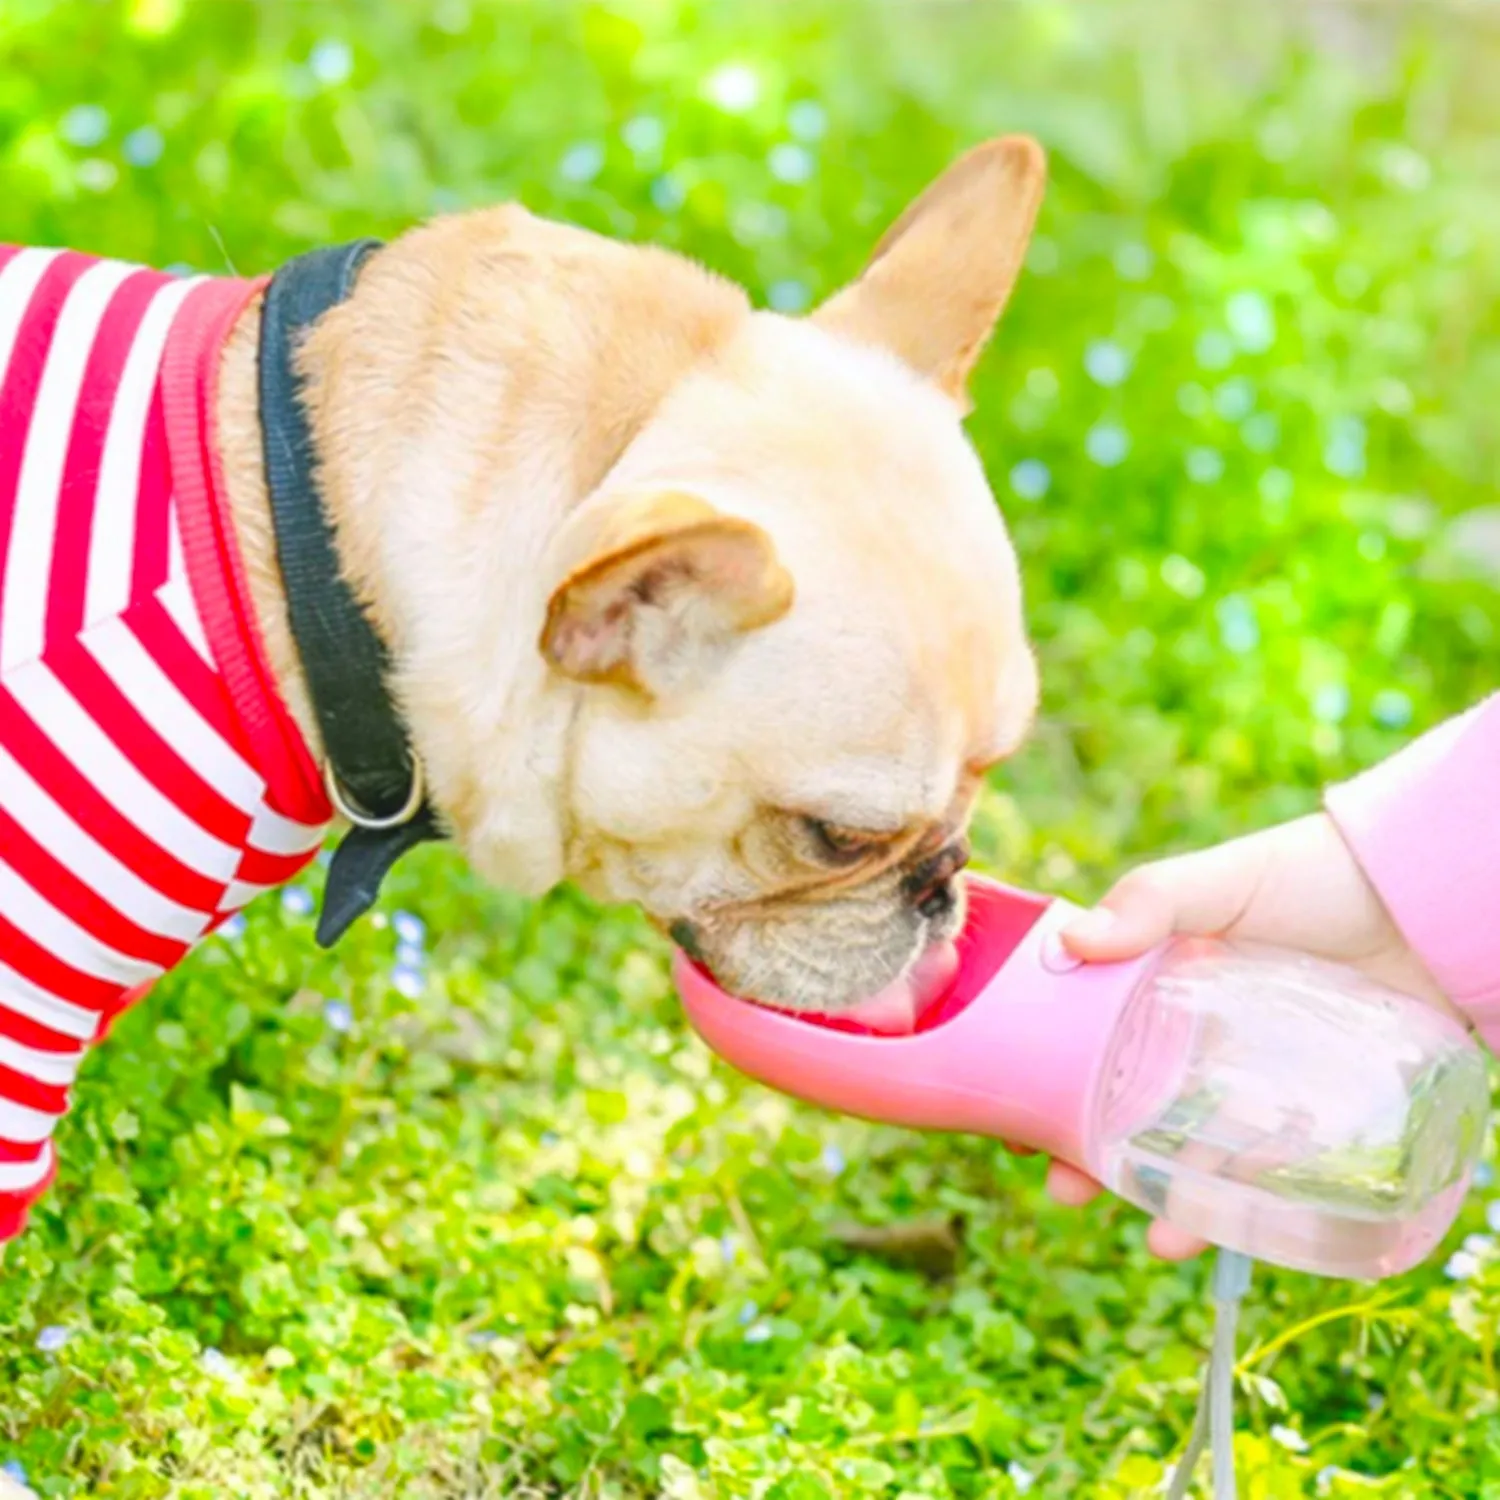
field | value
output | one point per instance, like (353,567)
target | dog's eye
(838,845)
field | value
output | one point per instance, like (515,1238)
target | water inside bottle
(1291,1109)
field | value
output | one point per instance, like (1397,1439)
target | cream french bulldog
(698,606)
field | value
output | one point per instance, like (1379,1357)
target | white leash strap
(1213,1425)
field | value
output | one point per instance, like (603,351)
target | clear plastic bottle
(1289,1108)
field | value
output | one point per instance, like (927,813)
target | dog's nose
(685,935)
(930,887)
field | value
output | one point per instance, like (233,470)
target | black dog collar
(373,777)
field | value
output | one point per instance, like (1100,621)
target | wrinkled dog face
(796,619)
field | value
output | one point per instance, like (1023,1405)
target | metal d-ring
(347,808)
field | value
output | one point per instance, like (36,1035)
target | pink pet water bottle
(1269,1103)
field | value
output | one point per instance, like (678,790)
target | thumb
(1201,894)
(1137,914)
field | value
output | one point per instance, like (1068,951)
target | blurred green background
(462,1211)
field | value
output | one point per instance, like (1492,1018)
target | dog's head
(797,619)
(703,608)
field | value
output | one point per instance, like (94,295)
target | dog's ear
(940,277)
(668,584)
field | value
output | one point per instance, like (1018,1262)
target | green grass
(513,1233)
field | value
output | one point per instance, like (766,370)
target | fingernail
(1092,927)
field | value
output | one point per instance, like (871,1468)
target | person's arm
(1399,878)
(1425,829)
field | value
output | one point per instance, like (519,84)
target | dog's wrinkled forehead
(906,630)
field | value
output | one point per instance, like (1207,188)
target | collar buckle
(350,809)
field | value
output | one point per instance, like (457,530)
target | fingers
(1171,1243)
(1070,1187)
(1201,893)
(1139,913)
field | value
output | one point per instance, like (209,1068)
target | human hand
(1297,886)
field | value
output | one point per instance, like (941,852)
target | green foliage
(485,1221)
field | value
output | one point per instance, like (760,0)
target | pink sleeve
(1425,827)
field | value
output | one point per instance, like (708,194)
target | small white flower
(758,1333)
(1020,1476)
(85,125)
(1184,577)
(1107,444)
(97,175)
(1238,628)
(296,901)
(143,147)
(645,135)
(217,1364)
(52,1338)
(582,163)
(734,88)
(1394,396)
(1330,704)
(807,120)
(408,927)
(1392,709)
(1204,465)
(1234,399)
(1344,454)
(331,62)
(407,981)
(1031,479)
(1405,168)
(788,295)
(339,1016)
(1214,350)
(1462,1264)
(833,1160)
(790,162)
(1289,1438)
(1251,321)
(1106,362)
(668,194)
(755,223)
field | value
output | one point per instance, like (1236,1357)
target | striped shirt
(151,779)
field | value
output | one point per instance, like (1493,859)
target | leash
(1213,1423)
(372,775)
